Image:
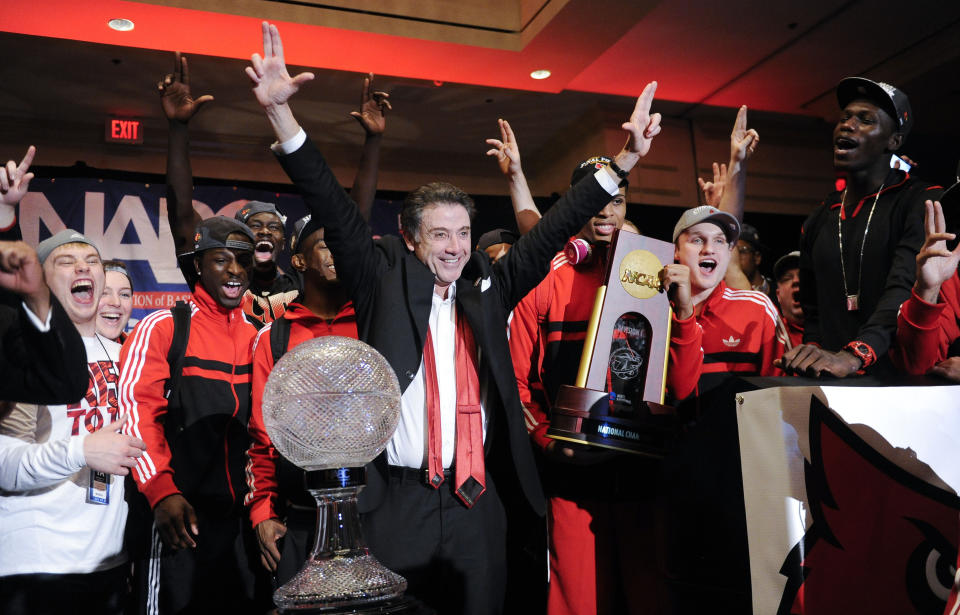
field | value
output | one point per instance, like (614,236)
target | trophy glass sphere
(329,406)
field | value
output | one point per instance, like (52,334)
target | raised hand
(743,142)
(642,126)
(175,98)
(372,104)
(20,272)
(506,150)
(112,452)
(713,190)
(15,180)
(272,84)
(935,263)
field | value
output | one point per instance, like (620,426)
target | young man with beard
(270,288)
(786,274)
(438,314)
(62,467)
(279,505)
(602,558)
(193,414)
(859,248)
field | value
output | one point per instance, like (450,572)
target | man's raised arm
(14,182)
(526,263)
(346,232)
(372,117)
(507,152)
(743,143)
(179,106)
(273,86)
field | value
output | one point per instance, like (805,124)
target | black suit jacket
(392,293)
(40,368)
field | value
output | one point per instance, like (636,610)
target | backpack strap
(279,338)
(178,348)
(289,477)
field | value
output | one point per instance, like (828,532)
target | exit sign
(123,131)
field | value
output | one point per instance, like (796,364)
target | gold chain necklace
(853,299)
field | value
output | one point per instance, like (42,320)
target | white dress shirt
(408,447)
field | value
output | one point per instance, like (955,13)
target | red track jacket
(926,330)
(263,495)
(196,449)
(736,332)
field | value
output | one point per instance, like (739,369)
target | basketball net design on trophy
(617,401)
(330,406)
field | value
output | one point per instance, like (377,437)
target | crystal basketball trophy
(330,406)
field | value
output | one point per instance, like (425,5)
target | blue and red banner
(128,221)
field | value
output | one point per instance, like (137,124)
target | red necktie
(470,477)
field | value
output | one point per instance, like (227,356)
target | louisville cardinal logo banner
(851,498)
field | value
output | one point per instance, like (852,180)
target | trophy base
(582,416)
(395,606)
(344,584)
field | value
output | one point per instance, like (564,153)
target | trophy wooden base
(404,605)
(583,416)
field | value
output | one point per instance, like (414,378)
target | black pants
(103,592)
(454,558)
(223,574)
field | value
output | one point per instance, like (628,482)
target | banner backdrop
(128,221)
(851,498)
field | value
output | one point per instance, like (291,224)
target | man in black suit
(438,313)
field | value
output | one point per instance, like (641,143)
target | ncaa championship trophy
(617,402)
(330,406)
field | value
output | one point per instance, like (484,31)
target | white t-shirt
(47,521)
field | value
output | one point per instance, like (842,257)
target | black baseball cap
(790,260)
(590,166)
(302,228)
(749,233)
(887,97)
(213,233)
(253,208)
(497,235)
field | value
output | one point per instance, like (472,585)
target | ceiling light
(121,25)
(540,74)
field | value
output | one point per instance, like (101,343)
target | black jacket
(40,368)
(888,268)
(392,294)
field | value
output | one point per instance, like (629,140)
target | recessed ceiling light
(121,25)
(540,74)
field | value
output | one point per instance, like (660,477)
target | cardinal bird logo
(881,540)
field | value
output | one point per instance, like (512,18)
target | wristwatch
(862,351)
(620,172)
